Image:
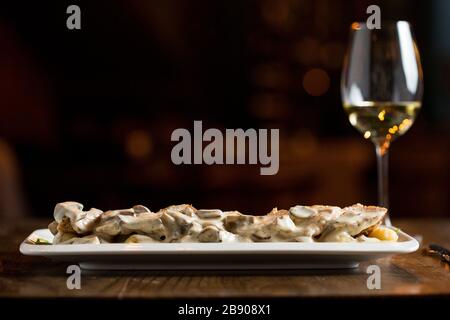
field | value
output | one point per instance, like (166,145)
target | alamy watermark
(374,20)
(74,20)
(74,279)
(374,280)
(228,148)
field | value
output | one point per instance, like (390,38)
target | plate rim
(254,248)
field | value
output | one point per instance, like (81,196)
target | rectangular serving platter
(217,256)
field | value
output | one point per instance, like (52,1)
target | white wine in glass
(382,85)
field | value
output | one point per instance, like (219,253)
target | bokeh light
(138,144)
(316,82)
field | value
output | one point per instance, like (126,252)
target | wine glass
(381,88)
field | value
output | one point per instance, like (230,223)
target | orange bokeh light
(138,144)
(316,82)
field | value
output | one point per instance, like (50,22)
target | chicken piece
(62,237)
(144,223)
(89,239)
(312,220)
(53,227)
(352,222)
(71,213)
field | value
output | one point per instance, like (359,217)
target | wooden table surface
(413,274)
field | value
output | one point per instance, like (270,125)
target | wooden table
(411,275)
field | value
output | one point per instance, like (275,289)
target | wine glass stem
(382,169)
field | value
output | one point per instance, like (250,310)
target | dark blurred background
(87,114)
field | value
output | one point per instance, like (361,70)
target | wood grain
(402,275)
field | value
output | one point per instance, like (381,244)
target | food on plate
(184,223)
(384,233)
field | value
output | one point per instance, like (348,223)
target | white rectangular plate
(217,256)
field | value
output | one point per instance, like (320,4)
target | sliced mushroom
(141,209)
(138,238)
(311,221)
(261,236)
(236,222)
(209,234)
(302,212)
(209,213)
(285,228)
(183,222)
(185,209)
(63,208)
(285,224)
